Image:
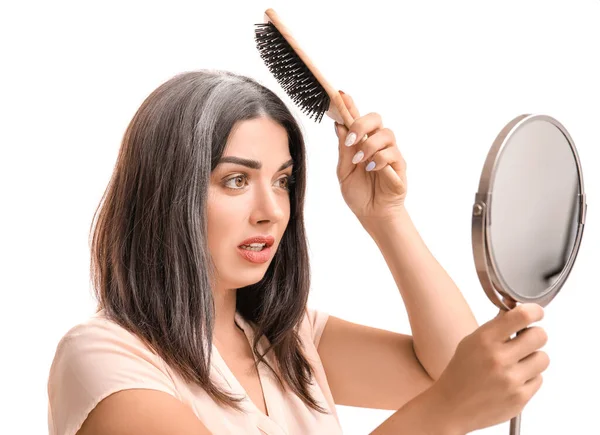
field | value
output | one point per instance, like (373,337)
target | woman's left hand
(375,186)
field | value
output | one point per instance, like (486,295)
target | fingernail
(342,92)
(350,139)
(370,166)
(358,157)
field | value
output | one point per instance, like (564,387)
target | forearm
(426,414)
(438,313)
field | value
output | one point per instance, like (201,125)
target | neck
(225,329)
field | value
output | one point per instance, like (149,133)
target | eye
(288,182)
(238,181)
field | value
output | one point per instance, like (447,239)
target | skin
(245,202)
(448,377)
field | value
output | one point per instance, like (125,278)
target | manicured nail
(370,166)
(350,139)
(358,157)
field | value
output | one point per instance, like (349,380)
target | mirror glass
(534,208)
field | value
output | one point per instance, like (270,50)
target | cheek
(288,209)
(285,221)
(223,217)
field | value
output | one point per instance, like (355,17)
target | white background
(445,76)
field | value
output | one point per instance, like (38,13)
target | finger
(341,131)
(388,156)
(529,389)
(525,343)
(362,126)
(349,102)
(379,140)
(391,166)
(517,319)
(533,365)
(509,302)
(345,154)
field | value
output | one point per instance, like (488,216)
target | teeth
(254,246)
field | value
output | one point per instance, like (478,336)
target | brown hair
(150,265)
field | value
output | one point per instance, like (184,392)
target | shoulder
(97,328)
(99,347)
(312,325)
(93,360)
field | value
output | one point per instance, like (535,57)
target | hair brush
(301,79)
(296,73)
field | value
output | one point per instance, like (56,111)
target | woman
(200,264)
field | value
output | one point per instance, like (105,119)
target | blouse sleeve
(317,320)
(93,361)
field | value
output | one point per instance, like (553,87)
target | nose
(269,205)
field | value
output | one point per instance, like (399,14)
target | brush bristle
(291,72)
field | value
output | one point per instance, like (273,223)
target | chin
(247,277)
(238,273)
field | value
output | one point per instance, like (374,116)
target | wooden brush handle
(334,95)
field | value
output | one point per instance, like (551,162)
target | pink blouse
(98,358)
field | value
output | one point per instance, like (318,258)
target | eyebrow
(253,164)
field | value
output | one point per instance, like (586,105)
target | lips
(256,254)
(267,240)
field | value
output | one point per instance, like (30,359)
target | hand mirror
(529,214)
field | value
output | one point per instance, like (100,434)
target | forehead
(260,137)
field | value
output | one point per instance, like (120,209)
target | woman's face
(249,197)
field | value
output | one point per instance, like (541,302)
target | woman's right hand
(491,377)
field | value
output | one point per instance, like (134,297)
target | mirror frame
(497,290)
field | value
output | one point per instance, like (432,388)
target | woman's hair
(150,265)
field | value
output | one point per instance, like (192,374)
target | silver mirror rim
(497,290)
